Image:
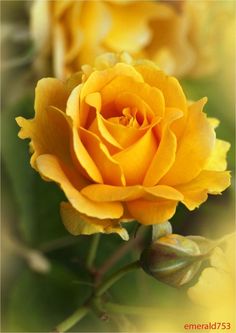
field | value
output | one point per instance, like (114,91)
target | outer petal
(194,147)
(214,122)
(49,92)
(217,159)
(152,212)
(55,170)
(195,192)
(79,224)
(101,193)
(49,132)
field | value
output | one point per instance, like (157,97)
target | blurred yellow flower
(215,289)
(180,37)
(123,143)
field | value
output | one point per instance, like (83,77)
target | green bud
(172,259)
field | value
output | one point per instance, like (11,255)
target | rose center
(127,119)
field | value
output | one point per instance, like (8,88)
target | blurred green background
(34,301)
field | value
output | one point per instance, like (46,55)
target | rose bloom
(181,37)
(124,144)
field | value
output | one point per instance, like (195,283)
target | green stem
(94,300)
(72,320)
(102,288)
(118,254)
(92,251)
(130,310)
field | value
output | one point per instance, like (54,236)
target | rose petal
(136,159)
(136,33)
(194,147)
(121,84)
(95,21)
(79,224)
(165,192)
(109,168)
(165,154)
(171,89)
(195,192)
(99,79)
(49,131)
(175,40)
(98,127)
(55,170)
(214,122)
(94,100)
(144,114)
(73,107)
(101,193)
(168,85)
(217,159)
(49,92)
(125,136)
(82,157)
(152,212)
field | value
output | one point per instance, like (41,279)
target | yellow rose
(123,143)
(180,37)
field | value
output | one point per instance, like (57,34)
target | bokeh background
(43,274)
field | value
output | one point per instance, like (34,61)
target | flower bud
(172,259)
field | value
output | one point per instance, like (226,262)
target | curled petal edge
(80,224)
